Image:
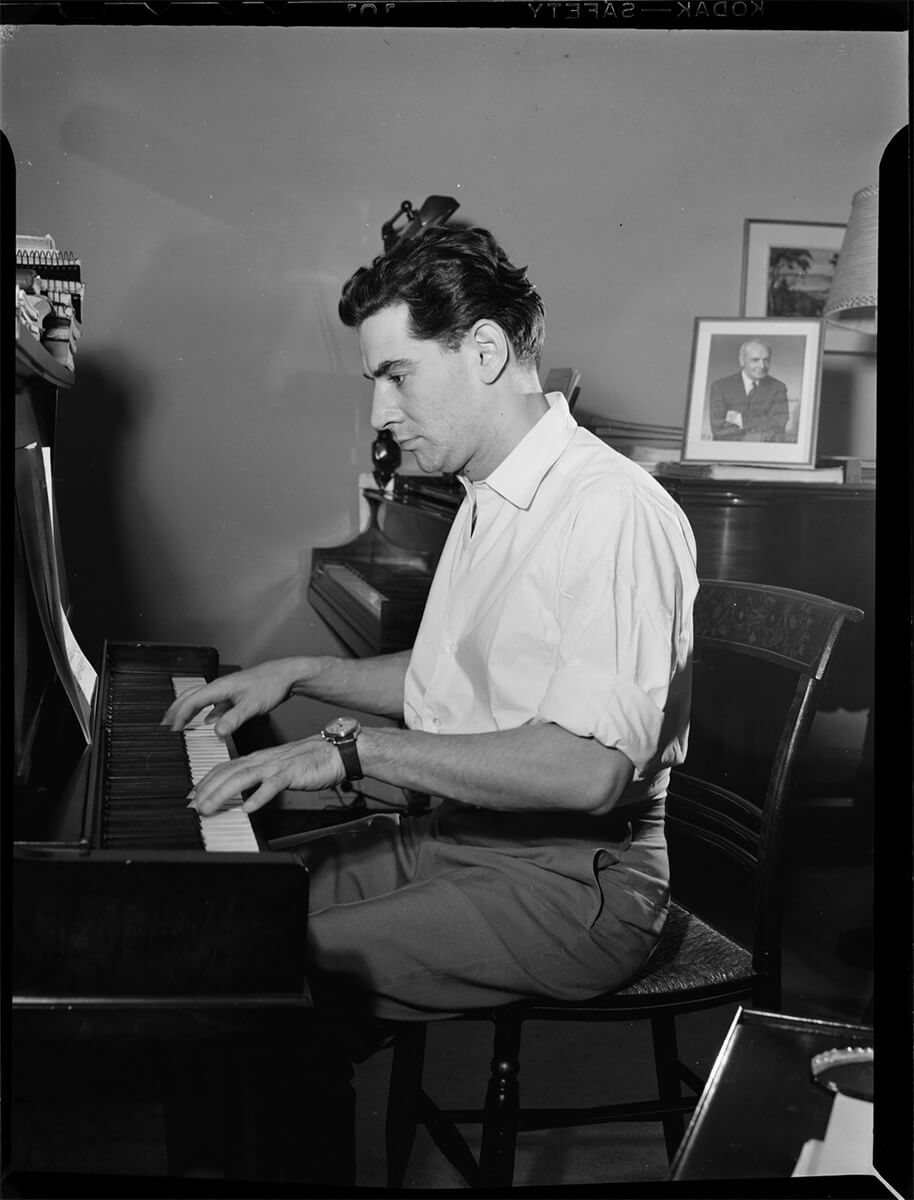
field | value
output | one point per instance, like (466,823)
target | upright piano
(138,930)
(96,821)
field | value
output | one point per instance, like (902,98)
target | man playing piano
(545,698)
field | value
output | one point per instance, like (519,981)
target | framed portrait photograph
(788,267)
(754,391)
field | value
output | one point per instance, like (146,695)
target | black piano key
(126,783)
(150,835)
(136,773)
(159,802)
(141,821)
(138,756)
(146,768)
(143,728)
(141,753)
(164,782)
(147,775)
(172,817)
(139,797)
(131,769)
(153,842)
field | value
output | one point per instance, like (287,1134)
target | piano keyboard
(149,770)
(357,585)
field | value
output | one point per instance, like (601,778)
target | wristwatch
(342,733)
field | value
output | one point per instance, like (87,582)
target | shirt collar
(517,477)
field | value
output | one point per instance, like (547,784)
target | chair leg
(501,1115)
(666,1064)
(403,1101)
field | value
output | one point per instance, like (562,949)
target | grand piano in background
(371,591)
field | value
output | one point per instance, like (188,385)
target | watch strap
(350,755)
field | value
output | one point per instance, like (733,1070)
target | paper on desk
(847,1148)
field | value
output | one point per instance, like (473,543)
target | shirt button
(436,722)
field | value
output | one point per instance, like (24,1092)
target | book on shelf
(644,443)
(622,434)
(856,470)
(645,452)
(833,473)
(617,423)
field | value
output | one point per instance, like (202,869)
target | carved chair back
(760,656)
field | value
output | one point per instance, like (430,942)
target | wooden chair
(760,657)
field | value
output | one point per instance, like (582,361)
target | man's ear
(490,349)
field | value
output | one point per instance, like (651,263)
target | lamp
(852,298)
(434,211)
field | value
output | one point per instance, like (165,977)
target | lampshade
(852,298)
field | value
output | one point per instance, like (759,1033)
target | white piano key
(229,829)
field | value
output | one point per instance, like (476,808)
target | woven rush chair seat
(689,955)
(760,656)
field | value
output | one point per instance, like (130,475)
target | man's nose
(384,411)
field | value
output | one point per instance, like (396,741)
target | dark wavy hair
(449,278)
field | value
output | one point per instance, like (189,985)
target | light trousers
(466,908)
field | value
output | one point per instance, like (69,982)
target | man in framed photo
(751,405)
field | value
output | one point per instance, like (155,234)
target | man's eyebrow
(390,366)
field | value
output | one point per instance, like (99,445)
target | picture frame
(723,424)
(788,267)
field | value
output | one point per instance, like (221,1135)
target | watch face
(341,727)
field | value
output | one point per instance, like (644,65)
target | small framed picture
(754,391)
(788,267)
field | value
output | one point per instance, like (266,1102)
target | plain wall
(219,186)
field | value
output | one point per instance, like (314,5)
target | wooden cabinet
(813,537)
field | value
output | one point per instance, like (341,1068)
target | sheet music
(83,672)
(34,496)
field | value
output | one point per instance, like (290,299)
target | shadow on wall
(96,419)
(199,462)
(225,436)
(836,408)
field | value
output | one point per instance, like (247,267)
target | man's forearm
(537,766)
(372,685)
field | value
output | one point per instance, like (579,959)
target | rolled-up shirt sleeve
(623,662)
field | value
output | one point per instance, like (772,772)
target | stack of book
(649,445)
(856,471)
(49,295)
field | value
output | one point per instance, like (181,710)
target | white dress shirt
(563,594)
